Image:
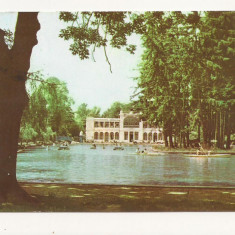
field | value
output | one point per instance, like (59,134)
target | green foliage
(27,132)
(187,73)
(49,112)
(90,30)
(83,112)
(114,110)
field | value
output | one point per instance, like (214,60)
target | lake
(83,165)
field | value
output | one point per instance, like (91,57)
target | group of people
(141,151)
(65,144)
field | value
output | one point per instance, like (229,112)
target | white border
(116,5)
(117,223)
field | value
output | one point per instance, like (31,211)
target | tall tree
(163,81)
(15,62)
(219,51)
(14,65)
(187,74)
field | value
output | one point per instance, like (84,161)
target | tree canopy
(83,112)
(49,112)
(186,75)
(90,30)
(115,108)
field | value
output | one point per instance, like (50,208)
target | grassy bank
(104,198)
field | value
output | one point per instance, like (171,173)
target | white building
(128,128)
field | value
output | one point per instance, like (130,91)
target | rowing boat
(63,148)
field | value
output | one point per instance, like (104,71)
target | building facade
(126,129)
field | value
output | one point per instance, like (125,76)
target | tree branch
(97,30)
(107,59)
(88,20)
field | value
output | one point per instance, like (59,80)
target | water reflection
(81,164)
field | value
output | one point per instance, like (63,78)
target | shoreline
(158,150)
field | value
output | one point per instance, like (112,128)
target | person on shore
(201,151)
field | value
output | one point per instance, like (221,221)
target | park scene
(117,111)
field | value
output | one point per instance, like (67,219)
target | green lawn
(104,198)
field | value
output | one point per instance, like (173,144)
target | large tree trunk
(14,65)
(165,138)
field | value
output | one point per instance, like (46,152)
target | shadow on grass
(51,203)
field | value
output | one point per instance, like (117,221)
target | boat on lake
(118,148)
(62,147)
(93,146)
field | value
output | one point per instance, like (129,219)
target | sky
(88,81)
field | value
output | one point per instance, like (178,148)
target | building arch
(101,135)
(111,135)
(116,136)
(145,136)
(96,135)
(155,137)
(106,137)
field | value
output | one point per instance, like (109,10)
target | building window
(106,124)
(150,136)
(111,135)
(101,124)
(116,124)
(145,136)
(112,124)
(96,124)
(96,136)
(125,135)
(155,137)
(106,137)
(136,135)
(116,136)
(145,124)
(101,135)
(160,137)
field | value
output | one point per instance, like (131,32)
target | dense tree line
(186,80)
(49,112)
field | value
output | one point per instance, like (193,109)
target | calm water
(81,164)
